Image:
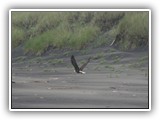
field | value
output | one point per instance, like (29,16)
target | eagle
(79,69)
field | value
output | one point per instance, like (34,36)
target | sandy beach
(110,81)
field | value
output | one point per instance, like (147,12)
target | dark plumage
(78,69)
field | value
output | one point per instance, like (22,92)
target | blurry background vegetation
(39,32)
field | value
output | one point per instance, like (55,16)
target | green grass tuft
(18,36)
(134,30)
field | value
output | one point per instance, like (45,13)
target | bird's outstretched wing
(83,66)
(74,63)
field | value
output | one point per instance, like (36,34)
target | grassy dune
(40,31)
(134,30)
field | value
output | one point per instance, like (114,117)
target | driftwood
(112,42)
(118,37)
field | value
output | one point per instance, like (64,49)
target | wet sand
(40,86)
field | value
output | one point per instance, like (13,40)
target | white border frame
(10,76)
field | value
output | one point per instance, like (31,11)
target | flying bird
(79,69)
